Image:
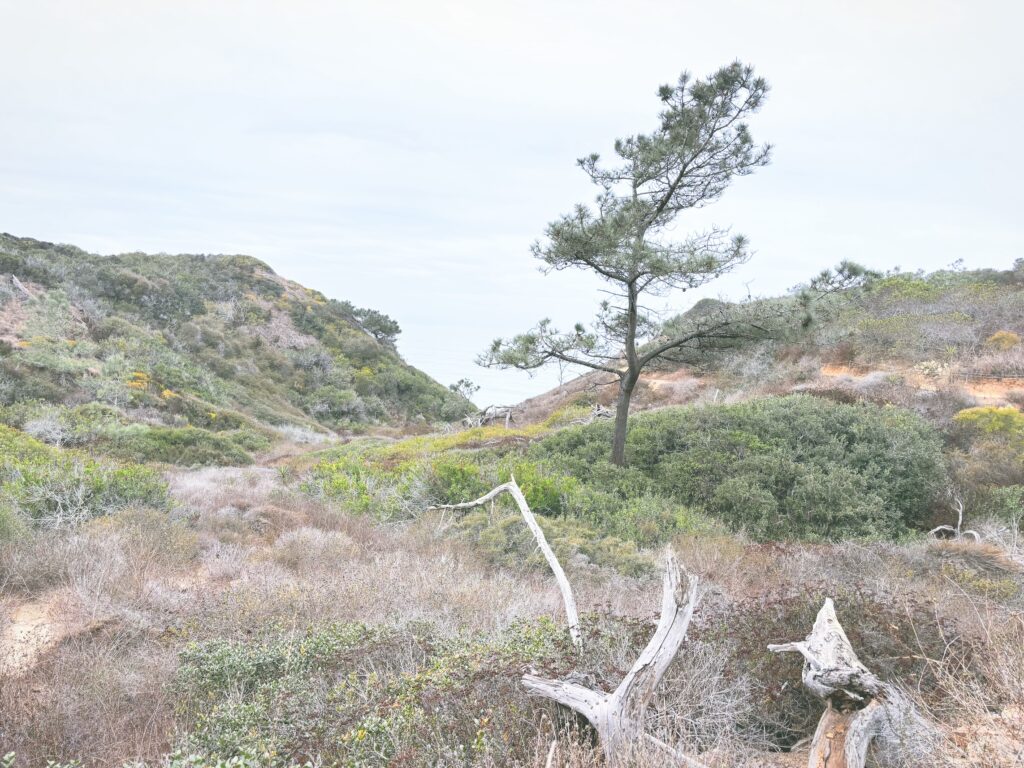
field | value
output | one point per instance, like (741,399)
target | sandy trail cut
(33,629)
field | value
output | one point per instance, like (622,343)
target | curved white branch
(512,488)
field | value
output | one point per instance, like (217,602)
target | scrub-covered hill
(192,359)
(932,342)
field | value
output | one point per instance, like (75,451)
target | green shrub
(546,491)
(648,520)
(1005,423)
(454,478)
(987,452)
(11,525)
(221,667)
(50,488)
(348,695)
(797,466)
(1006,504)
(504,539)
(362,488)
(186,446)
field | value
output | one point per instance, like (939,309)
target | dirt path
(33,629)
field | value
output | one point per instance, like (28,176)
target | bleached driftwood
(861,712)
(512,488)
(491,414)
(950,532)
(618,716)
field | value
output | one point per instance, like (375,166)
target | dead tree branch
(950,532)
(618,716)
(21,287)
(512,488)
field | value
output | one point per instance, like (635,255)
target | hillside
(192,359)
(320,609)
(929,342)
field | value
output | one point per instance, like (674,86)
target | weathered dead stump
(862,714)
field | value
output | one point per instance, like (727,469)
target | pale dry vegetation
(243,559)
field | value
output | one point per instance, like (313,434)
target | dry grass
(243,553)
(1007,363)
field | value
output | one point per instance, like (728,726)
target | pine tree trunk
(622,421)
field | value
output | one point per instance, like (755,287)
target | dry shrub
(149,537)
(230,525)
(273,519)
(898,641)
(113,555)
(308,549)
(758,371)
(938,405)
(101,696)
(843,353)
(224,562)
(33,564)
(1006,535)
(944,403)
(701,699)
(982,711)
(251,524)
(246,506)
(985,558)
(1008,363)
(214,488)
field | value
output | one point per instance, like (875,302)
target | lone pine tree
(702,143)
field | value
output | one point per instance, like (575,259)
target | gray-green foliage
(217,344)
(792,467)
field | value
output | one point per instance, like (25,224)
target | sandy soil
(32,629)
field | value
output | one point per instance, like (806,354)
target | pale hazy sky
(403,155)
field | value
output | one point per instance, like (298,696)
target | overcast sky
(404,155)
